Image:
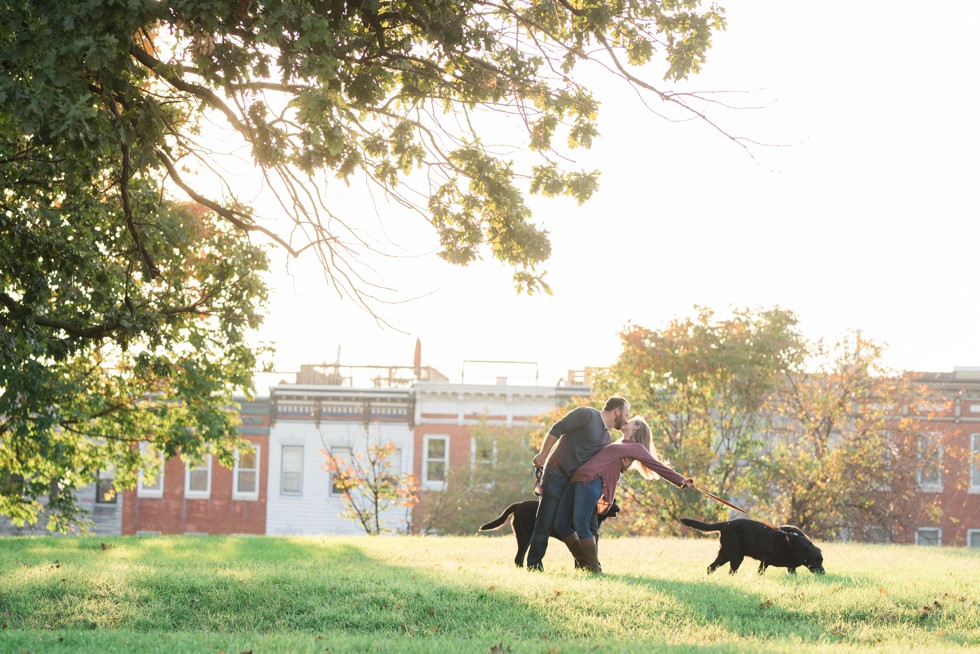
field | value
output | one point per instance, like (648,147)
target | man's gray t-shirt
(581,433)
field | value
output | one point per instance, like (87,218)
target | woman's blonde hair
(644,436)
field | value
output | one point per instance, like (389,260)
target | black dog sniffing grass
(523,524)
(785,547)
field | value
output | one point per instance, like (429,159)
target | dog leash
(723,501)
(737,508)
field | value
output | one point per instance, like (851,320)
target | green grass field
(406,594)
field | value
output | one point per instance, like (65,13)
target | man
(578,436)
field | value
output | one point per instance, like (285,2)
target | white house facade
(308,421)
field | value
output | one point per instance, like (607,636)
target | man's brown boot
(590,555)
(572,541)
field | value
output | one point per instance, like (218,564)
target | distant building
(308,420)
(949,466)
(280,485)
(209,498)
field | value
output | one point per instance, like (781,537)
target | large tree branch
(202,92)
(236,218)
(130,220)
(96,331)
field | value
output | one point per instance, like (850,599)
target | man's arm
(546,445)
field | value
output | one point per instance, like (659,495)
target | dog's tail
(501,519)
(702,526)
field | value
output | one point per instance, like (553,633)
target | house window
(292,470)
(105,490)
(930,473)
(197,480)
(147,487)
(975,463)
(484,451)
(342,456)
(436,462)
(484,460)
(929,536)
(973,538)
(392,466)
(877,534)
(883,481)
(246,474)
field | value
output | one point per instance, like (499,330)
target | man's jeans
(553,484)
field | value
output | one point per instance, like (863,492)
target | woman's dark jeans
(576,510)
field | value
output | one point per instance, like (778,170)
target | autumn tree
(823,436)
(124,316)
(370,484)
(702,383)
(842,446)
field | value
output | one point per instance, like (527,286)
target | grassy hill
(406,594)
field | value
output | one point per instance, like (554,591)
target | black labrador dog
(523,524)
(786,547)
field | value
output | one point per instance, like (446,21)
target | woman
(592,488)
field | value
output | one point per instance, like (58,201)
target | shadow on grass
(764,615)
(254,585)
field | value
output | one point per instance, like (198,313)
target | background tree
(370,486)
(842,447)
(95,356)
(703,384)
(500,474)
(117,326)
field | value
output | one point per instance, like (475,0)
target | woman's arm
(643,456)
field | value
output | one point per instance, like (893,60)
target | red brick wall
(460,445)
(961,509)
(219,514)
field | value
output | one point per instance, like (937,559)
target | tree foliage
(795,431)
(841,448)
(130,267)
(321,90)
(702,383)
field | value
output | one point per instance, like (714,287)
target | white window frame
(931,486)
(157,489)
(197,494)
(434,484)
(974,486)
(282,470)
(236,493)
(939,536)
(970,533)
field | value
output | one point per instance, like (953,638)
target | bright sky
(866,218)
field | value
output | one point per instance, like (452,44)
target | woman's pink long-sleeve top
(608,464)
